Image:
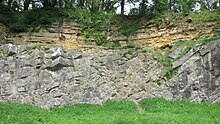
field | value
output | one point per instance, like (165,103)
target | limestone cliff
(198,74)
(51,76)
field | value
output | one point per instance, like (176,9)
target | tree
(170,5)
(26,4)
(215,4)
(81,3)
(93,5)
(10,2)
(1,1)
(108,5)
(45,3)
(219,4)
(143,7)
(184,5)
(159,6)
(122,7)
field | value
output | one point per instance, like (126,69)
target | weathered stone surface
(2,34)
(197,77)
(51,77)
(183,59)
(54,33)
(148,34)
(176,53)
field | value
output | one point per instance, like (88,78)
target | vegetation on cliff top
(113,112)
(96,16)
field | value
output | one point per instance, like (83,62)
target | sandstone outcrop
(149,34)
(52,34)
(169,31)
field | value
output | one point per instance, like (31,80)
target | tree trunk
(219,4)
(142,12)
(10,3)
(72,2)
(170,5)
(102,5)
(26,4)
(122,7)
(45,3)
(81,3)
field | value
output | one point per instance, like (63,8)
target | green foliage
(113,112)
(158,19)
(1,49)
(159,6)
(44,16)
(94,26)
(109,44)
(6,15)
(129,28)
(129,46)
(217,29)
(158,82)
(168,70)
(205,16)
(162,57)
(23,21)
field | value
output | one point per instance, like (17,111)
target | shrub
(129,28)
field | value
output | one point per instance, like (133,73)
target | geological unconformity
(51,77)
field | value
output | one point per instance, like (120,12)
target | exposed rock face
(149,34)
(169,32)
(56,32)
(50,77)
(2,33)
(198,74)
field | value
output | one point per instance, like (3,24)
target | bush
(22,21)
(93,25)
(130,28)
(205,16)
(6,15)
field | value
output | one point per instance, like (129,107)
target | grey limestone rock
(56,77)
(176,53)
(197,75)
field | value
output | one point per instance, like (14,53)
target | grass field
(157,111)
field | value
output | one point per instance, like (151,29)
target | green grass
(205,16)
(157,111)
